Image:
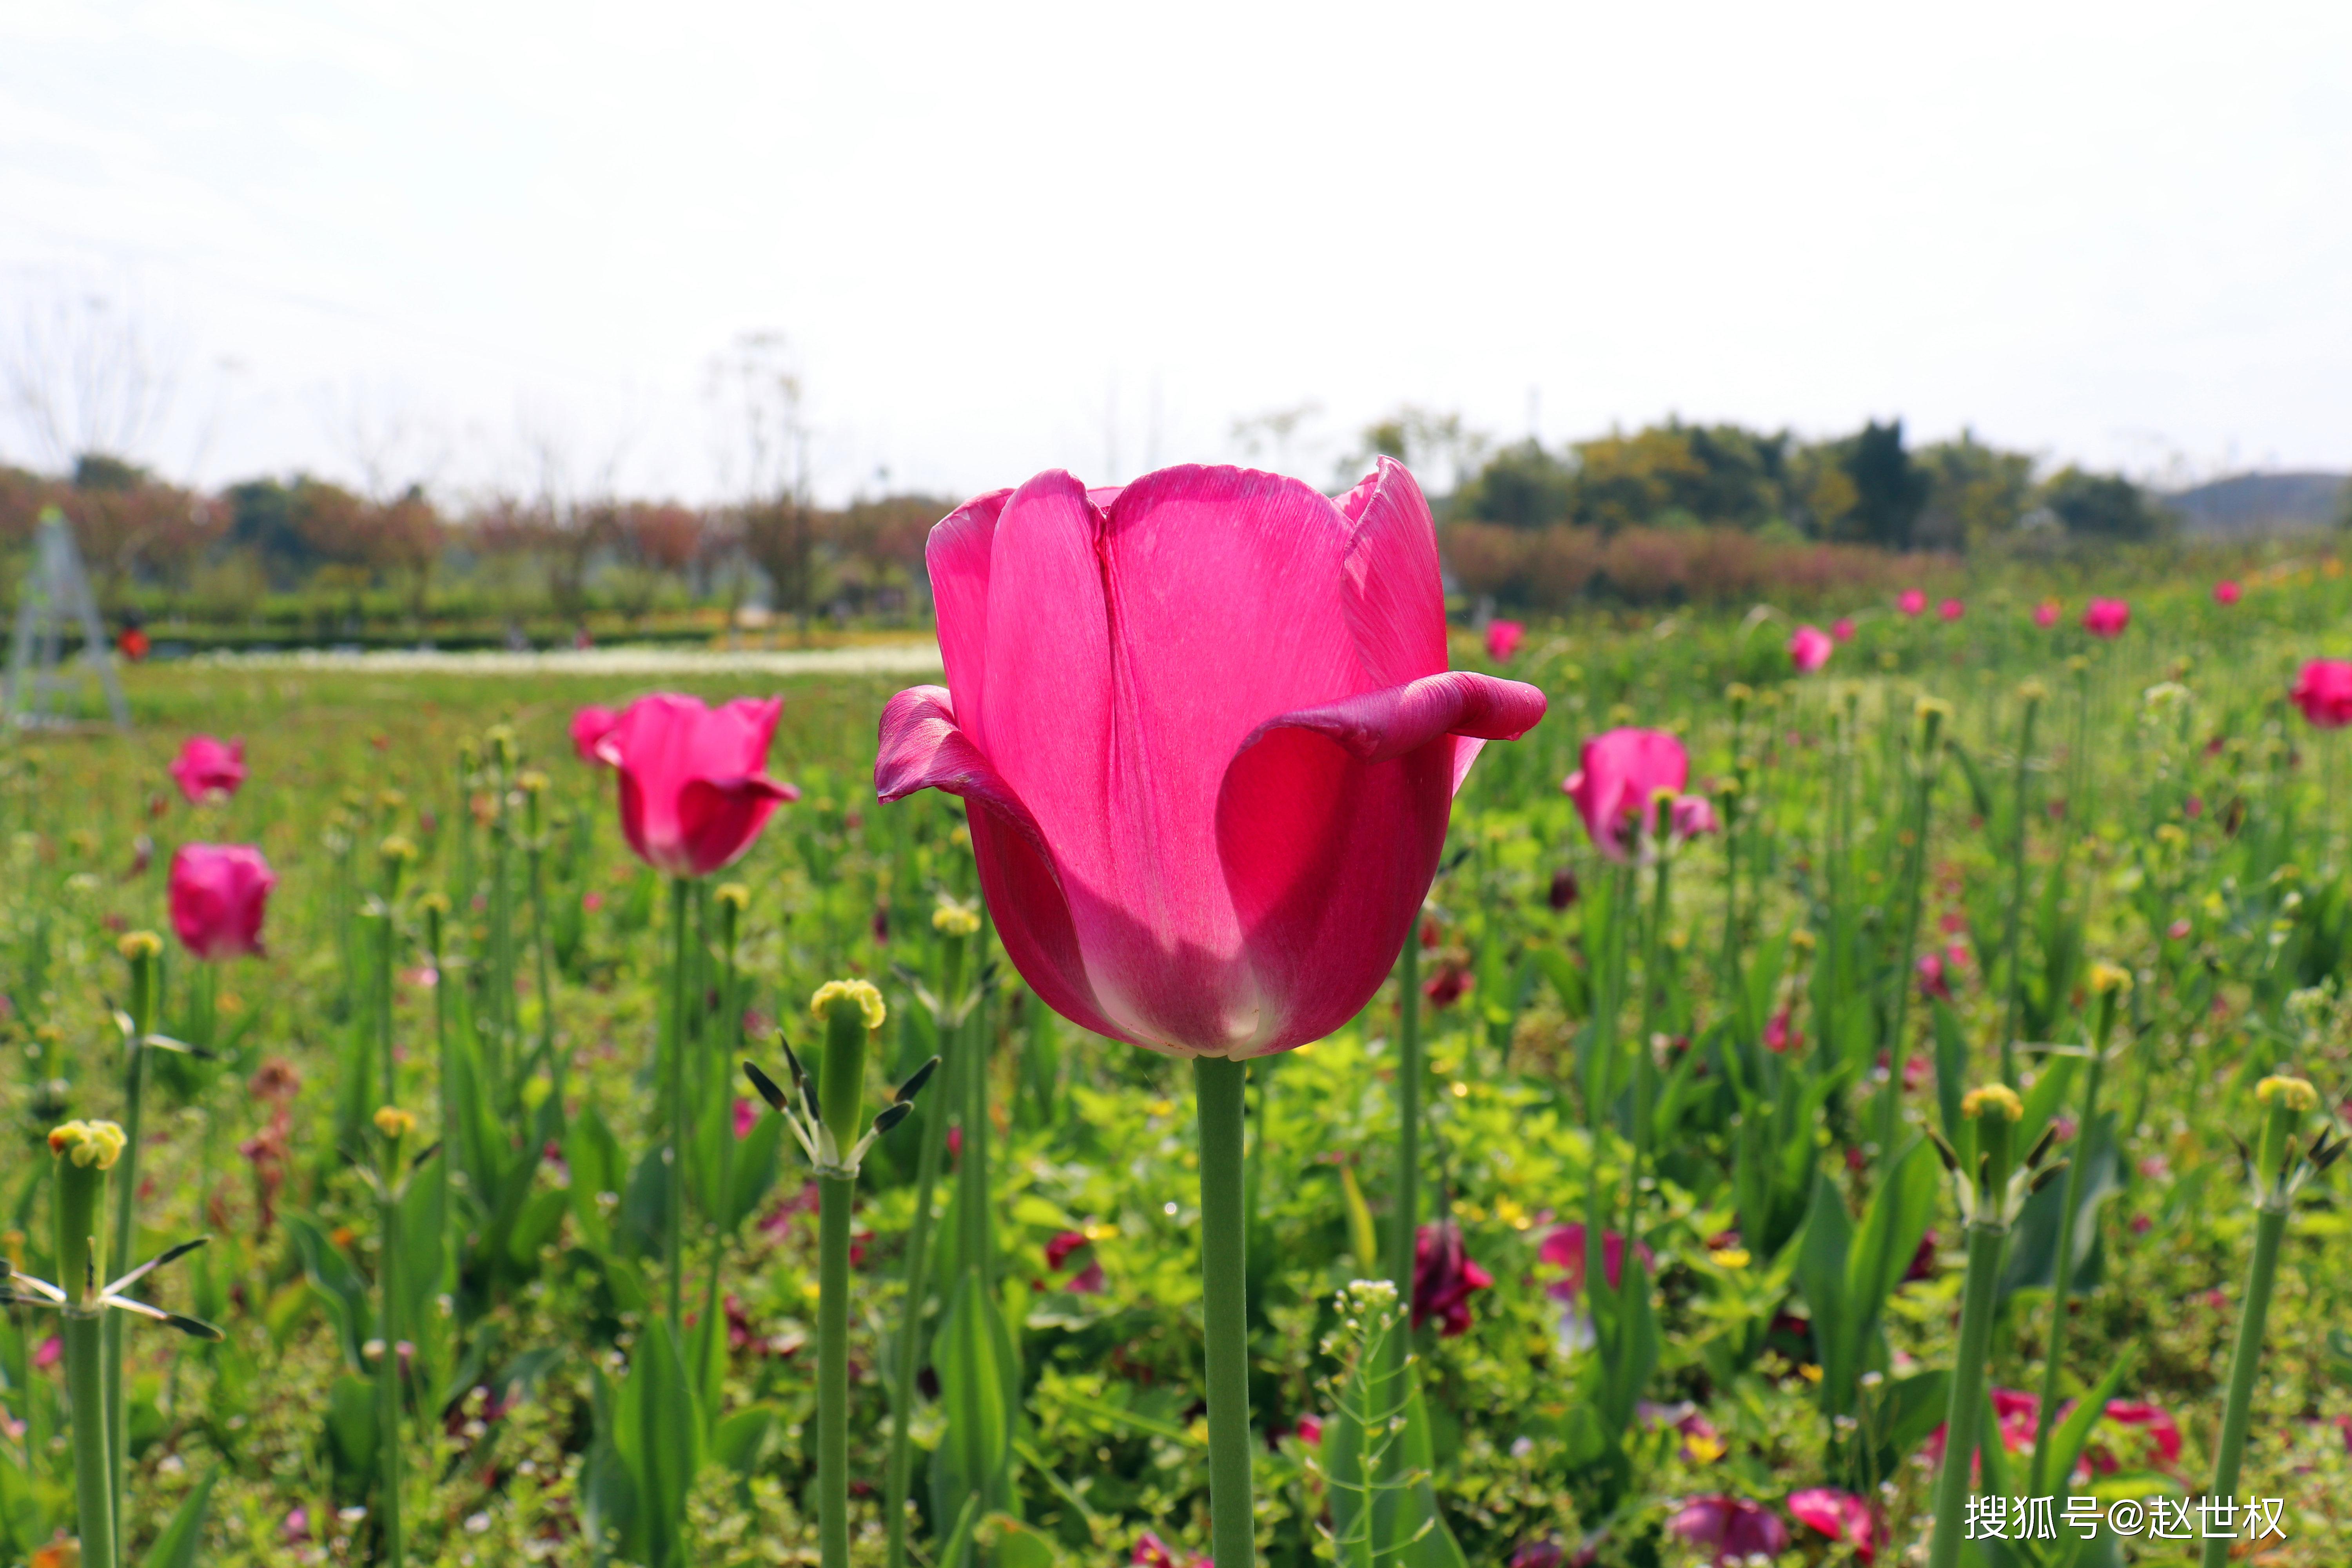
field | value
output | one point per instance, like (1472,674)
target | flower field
(1778,1016)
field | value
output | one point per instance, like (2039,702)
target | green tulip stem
(2273,1202)
(674,1184)
(145,981)
(1964,1424)
(2063,1269)
(1914,886)
(387,1366)
(908,1351)
(2009,942)
(841,1076)
(536,855)
(1409,1069)
(80,1195)
(1218,1086)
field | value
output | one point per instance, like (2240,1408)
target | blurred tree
(1522,486)
(1423,440)
(1976,493)
(2103,506)
(781,535)
(1889,489)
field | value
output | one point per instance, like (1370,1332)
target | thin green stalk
(1988,1232)
(144,952)
(2009,942)
(1218,1086)
(674,1207)
(391,1123)
(2108,982)
(841,1083)
(975,1232)
(1915,870)
(1405,1230)
(81,1272)
(1646,1062)
(2288,1099)
(534,785)
(909,1346)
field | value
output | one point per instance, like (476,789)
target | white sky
(1004,237)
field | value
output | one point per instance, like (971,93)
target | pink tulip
(2045,614)
(1912,600)
(1934,985)
(2227,592)
(1809,649)
(219,893)
(2324,693)
(1210,742)
(589,728)
(1843,629)
(1444,1278)
(1310,1431)
(1841,1516)
(1781,1035)
(1503,639)
(1734,1529)
(1564,1250)
(1624,772)
(2154,1425)
(2106,618)
(1951,609)
(208,770)
(694,792)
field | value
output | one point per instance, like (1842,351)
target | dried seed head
(868,1000)
(135,945)
(94,1145)
(393,1122)
(1992,1100)
(2295,1093)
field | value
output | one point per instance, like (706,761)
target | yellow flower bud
(868,1000)
(531,781)
(2032,691)
(955,920)
(2106,977)
(2295,1093)
(135,945)
(393,1122)
(1992,1100)
(395,849)
(733,894)
(434,903)
(94,1145)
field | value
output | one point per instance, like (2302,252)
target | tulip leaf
(176,1546)
(598,1168)
(980,1390)
(660,1437)
(2067,1442)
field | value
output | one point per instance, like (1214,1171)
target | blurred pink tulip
(2227,592)
(694,789)
(589,728)
(219,893)
(1206,728)
(2045,614)
(1732,1529)
(1624,771)
(1841,1516)
(1503,639)
(1912,600)
(2106,618)
(1951,609)
(1564,1250)
(1444,1278)
(208,770)
(1843,629)
(2324,692)
(1809,649)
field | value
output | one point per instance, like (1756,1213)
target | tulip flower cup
(1208,739)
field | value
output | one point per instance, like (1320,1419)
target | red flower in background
(1951,609)
(1564,1250)
(1912,600)
(1503,639)
(2045,614)
(1444,1278)
(1087,1281)
(2227,592)
(2324,692)
(694,788)
(1208,739)
(1733,1528)
(219,893)
(208,769)
(1841,1516)
(2106,618)
(1843,629)
(1809,649)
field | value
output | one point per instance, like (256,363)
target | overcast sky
(477,243)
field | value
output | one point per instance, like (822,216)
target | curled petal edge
(1381,726)
(921,748)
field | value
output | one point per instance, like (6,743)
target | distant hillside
(2252,505)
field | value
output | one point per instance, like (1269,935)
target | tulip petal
(719,818)
(957,557)
(1395,596)
(1329,822)
(922,748)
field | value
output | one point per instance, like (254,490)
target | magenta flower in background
(1933,985)
(1809,649)
(1732,1528)
(1951,609)
(695,792)
(2227,592)
(1541,1553)
(1843,629)
(1444,1278)
(1564,1250)
(1503,639)
(1624,771)
(2045,614)
(1840,1515)
(2106,618)
(1912,600)
(590,725)
(2324,692)
(1088,1280)
(2155,1426)
(208,769)
(1210,741)
(1781,1035)
(219,893)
